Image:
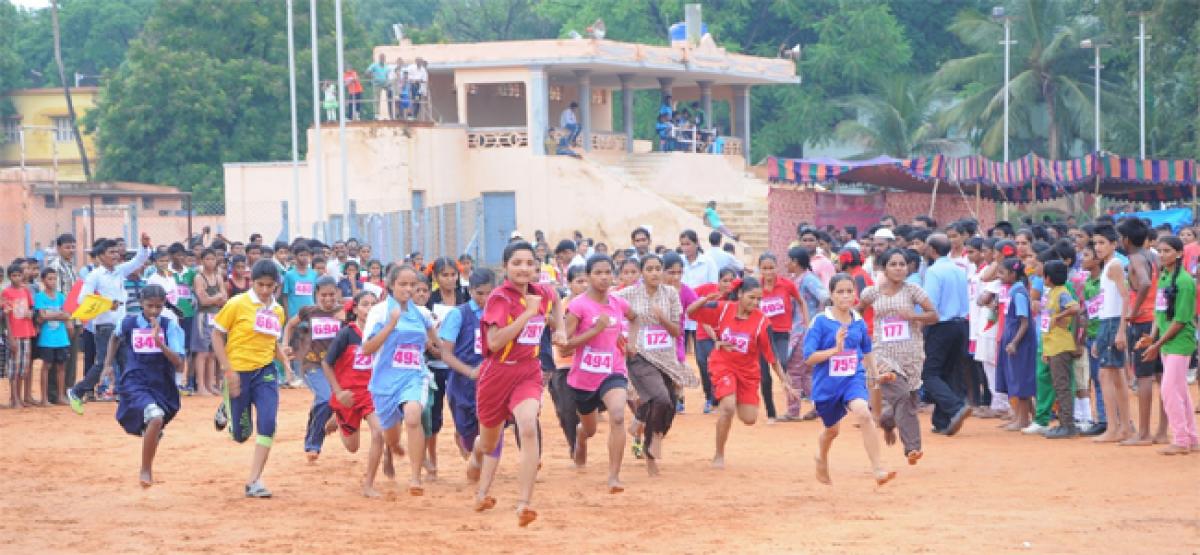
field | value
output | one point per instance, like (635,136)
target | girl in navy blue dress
(153,349)
(835,347)
(1016,363)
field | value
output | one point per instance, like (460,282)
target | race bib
(1044,321)
(739,341)
(407,357)
(304,288)
(896,329)
(478,342)
(531,334)
(843,364)
(596,362)
(1093,305)
(363,362)
(1160,300)
(325,328)
(771,306)
(545,277)
(143,342)
(183,292)
(210,318)
(972,289)
(655,338)
(266,322)
(1004,295)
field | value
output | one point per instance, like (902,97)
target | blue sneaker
(708,407)
(679,407)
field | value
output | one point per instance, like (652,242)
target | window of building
(12,131)
(62,130)
(49,200)
(147,203)
(108,200)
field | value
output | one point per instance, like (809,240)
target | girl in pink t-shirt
(595,321)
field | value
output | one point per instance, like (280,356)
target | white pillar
(585,108)
(706,100)
(627,110)
(664,84)
(741,104)
(461,92)
(537,109)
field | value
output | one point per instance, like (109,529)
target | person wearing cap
(881,240)
(515,236)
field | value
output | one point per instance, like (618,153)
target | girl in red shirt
(704,334)
(778,298)
(743,335)
(510,378)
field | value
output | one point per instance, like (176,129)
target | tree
(485,20)
(201,87)
(1050,87)
(897,120)
(62,76)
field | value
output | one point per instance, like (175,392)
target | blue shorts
(833,408)
(260,390)
(142,387)
(1106,336)
(395,389)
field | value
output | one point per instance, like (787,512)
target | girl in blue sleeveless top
(153,349)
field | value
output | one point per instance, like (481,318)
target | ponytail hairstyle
(350,315)
(1172,290)
(1014,265)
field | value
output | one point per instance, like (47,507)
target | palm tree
(1051,85)
(896,120)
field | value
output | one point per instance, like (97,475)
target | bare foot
(145,479)
(1012,427)
(216,391)
(474,468)
(914,456)
(652,466)
(1174,450)
(822,471)
(430,471)
(1106,438)
(525,515)
(311,456)
(580,451)
(331,426)
(615,486)
(883,476)
(371,492)
(889,436)
(1161,440)
(44,403)
(389,469)
(718,461)
(415,488)
(1135,442)
(485,503)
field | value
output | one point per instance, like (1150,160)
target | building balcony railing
(497,137)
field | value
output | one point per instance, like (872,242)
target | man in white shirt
(721,258)
(108,281)
(567,121)
(418,82)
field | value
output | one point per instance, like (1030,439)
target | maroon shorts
(502,386)
(350,418)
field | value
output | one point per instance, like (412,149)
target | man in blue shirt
(299,282)
(945,341)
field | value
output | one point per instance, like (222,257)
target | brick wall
(787,207)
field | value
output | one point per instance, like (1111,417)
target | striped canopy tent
(912,174)
(1030,178)
(1137,180)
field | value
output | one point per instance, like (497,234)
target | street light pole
(1141,38)
(315,154)
(1007,43)
(295,129)
(341,65)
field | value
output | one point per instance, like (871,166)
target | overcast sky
(31,3)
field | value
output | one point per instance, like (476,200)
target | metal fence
(443,230)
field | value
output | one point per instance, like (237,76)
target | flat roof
(605,59)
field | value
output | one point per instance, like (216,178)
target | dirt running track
(70,486)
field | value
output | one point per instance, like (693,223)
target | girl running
(246,341)
(348,372)
(510,378)
(899,349)
(777,306)
(1174,336)
(556,382)
(309,334)
(598,374)
(655,369)
(630,273)
(1016,362)
(397,334)
(149,398)
(705,336)
(743,335)
(815,296)
(835,346)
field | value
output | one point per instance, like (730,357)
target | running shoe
(107,397)
(636,447)
(76,402)
(257,490)
(220,420)
(1035,429)
(679,407)
(708,407)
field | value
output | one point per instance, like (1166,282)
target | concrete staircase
(741,203)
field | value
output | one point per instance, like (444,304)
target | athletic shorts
(350,418)
(53,355)
(587,402)
(259,390)
(1106,336)
(503,386)
(19,362)
(832,409)
(398,388)
(1142,369)
(744,386)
